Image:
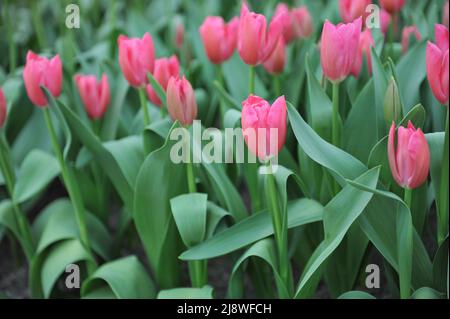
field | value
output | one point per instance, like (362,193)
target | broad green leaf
(158,181)
(253,228)
(126,278)
(427,293)
(380,82)
(189,213)
(440,267)
(37,171)
(356,295)
(339,215)
(187,293)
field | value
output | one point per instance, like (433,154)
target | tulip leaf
(253,228)
(125,277)
(356,295)
(8,220)
(158,89)
(226,97)
(37,171)
(380,83)
(187,293)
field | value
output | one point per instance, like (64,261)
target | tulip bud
(255,42)
(181,100)
(365,43)
(339,49)
(302,22)
(179,35)
(288,31)
(445,14)
(219,38)
(259,120)
(275,63)
(165,68)
(385,20)
(392,105)
(438,65)
(351,10)
(136,58)
(39,72)
(409,160)
(406,35)
(94,94)
(3,109)
(392,6)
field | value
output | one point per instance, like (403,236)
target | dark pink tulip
(409,160)
(365,43)
(302,22)
(438,65)
(392,6)
(3,109)
(255,42)
(275,63)
(40,71)
(445,14)
(94,94)
(219,38)
(406,35)
(351,10)
(136,58)
(181,100)
(339,49)
(385,20)
(258,114)
(165,68)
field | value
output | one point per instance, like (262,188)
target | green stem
(251,82)
(408,197)
(71,185)
(335,119)
(443,189)
(221,82)
(277,85)
(38,26)
(280,230)
(11,44)
(143,99)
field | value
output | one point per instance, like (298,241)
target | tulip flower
(437,64)
(219,38)
(288,28)
(385,20)
(339,49)
(350,10)
(392,6)
(165,68)
(179,35)
(445,14)
(406,35)
(365,43)
(258,114)
(256,42)
(40,71)
(136,58)
(275,63)
(94,94)
(409,160)
(3,109)
(181,100)
(302,22)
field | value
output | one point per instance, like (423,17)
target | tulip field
(175,149)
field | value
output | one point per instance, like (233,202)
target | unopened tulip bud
(351,10)
(3,109)
(275,63)
(392,6)
(392,105)
(406,36)
(438,65)
(181,101)
(165,68)
(94,94)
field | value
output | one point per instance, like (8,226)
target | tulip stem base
(143,100)
(335,118)
(251,82)
(72,187)
(443,189)
(408,197)
(279,222)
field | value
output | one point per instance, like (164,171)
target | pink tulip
(179,35)
(302,22)
(219,38)
(410,159)
(258,119)
(181,100)
(392,6)
(445,14)
(275,63)
(385,20)
(3,109)
(165,68)
(39,72)
(406,35)
(288,28)
(437,64)
(136,58)
(350,10)
(255,42)
(339,49)
(94,94)
(365,43)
